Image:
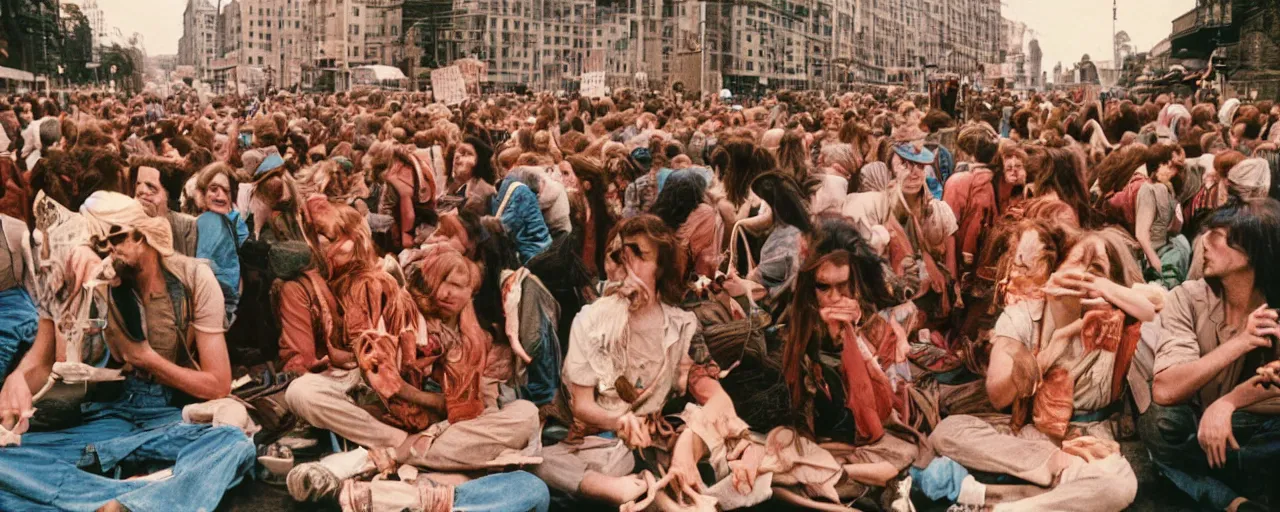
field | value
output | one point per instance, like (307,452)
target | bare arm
(434,402)
(586,410)
(210,382)
(1176,384)
(1002,387)
(1250,392)
(1145,217)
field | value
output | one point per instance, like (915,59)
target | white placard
(593,84)
(448,86)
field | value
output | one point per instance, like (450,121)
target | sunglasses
(632,248)
(106,243)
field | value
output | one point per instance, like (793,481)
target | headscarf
(1250,179)
(108,213)
(1228,111)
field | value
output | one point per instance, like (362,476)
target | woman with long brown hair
(1059,175)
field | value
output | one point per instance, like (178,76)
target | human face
(453,293)
(1015,171)
(831,284)
(217,197)
(124,245)
(464,160)
(1166,172)
(1220,258)
(1089,256)
(639,257)
(911,175)
(148,191)
(1030,266)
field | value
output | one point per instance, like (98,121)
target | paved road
(1154,494)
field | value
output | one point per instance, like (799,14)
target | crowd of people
(642,301)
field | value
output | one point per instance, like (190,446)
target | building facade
(1240,37)
(198,45)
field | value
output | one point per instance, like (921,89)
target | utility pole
(1115,52)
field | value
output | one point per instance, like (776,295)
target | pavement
(1155,494)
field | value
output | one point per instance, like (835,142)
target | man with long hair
(1213,427)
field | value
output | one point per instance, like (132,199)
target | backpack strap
(507,198)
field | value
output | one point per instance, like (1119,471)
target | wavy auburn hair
(672,261)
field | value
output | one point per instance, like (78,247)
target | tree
(1122,47)
(77,48)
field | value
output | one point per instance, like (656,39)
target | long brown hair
(672,261)
(836,241)
(739,161)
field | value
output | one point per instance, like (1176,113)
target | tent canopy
(380,73)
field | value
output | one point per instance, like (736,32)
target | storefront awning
(16,74)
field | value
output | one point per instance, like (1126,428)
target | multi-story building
(197,47)
(744,45)
(266,40)
(1241,38)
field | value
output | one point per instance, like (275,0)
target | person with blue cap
(921,248)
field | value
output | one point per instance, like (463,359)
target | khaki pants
(495,438)
(564,465)
(1104,485)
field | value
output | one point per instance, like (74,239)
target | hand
(1260,328)
(686,480)
(1074,283)
(1215,433)
(744,462)
(1269,375)
(136,354)
(844,311)
(633,431)
(15,403)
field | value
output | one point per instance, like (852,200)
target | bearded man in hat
(164,327)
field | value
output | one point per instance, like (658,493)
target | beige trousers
(498,437)
(1104,485)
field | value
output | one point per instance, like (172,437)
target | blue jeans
(17,327)
(517,491)
(1169,434)
(61,470)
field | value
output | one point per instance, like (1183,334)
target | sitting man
(396,344)
(165,325)
(1212,428)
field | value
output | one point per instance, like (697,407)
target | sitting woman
(1061,363)
(921,249)
(630,353)
(682,205)
(221,229)
(831,343)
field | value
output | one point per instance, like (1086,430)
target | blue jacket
(521,218)
(219,243)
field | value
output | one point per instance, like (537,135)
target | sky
(1069,29)
(159,21)
(1066,29)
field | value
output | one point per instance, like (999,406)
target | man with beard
(165,324)
(1212,428)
